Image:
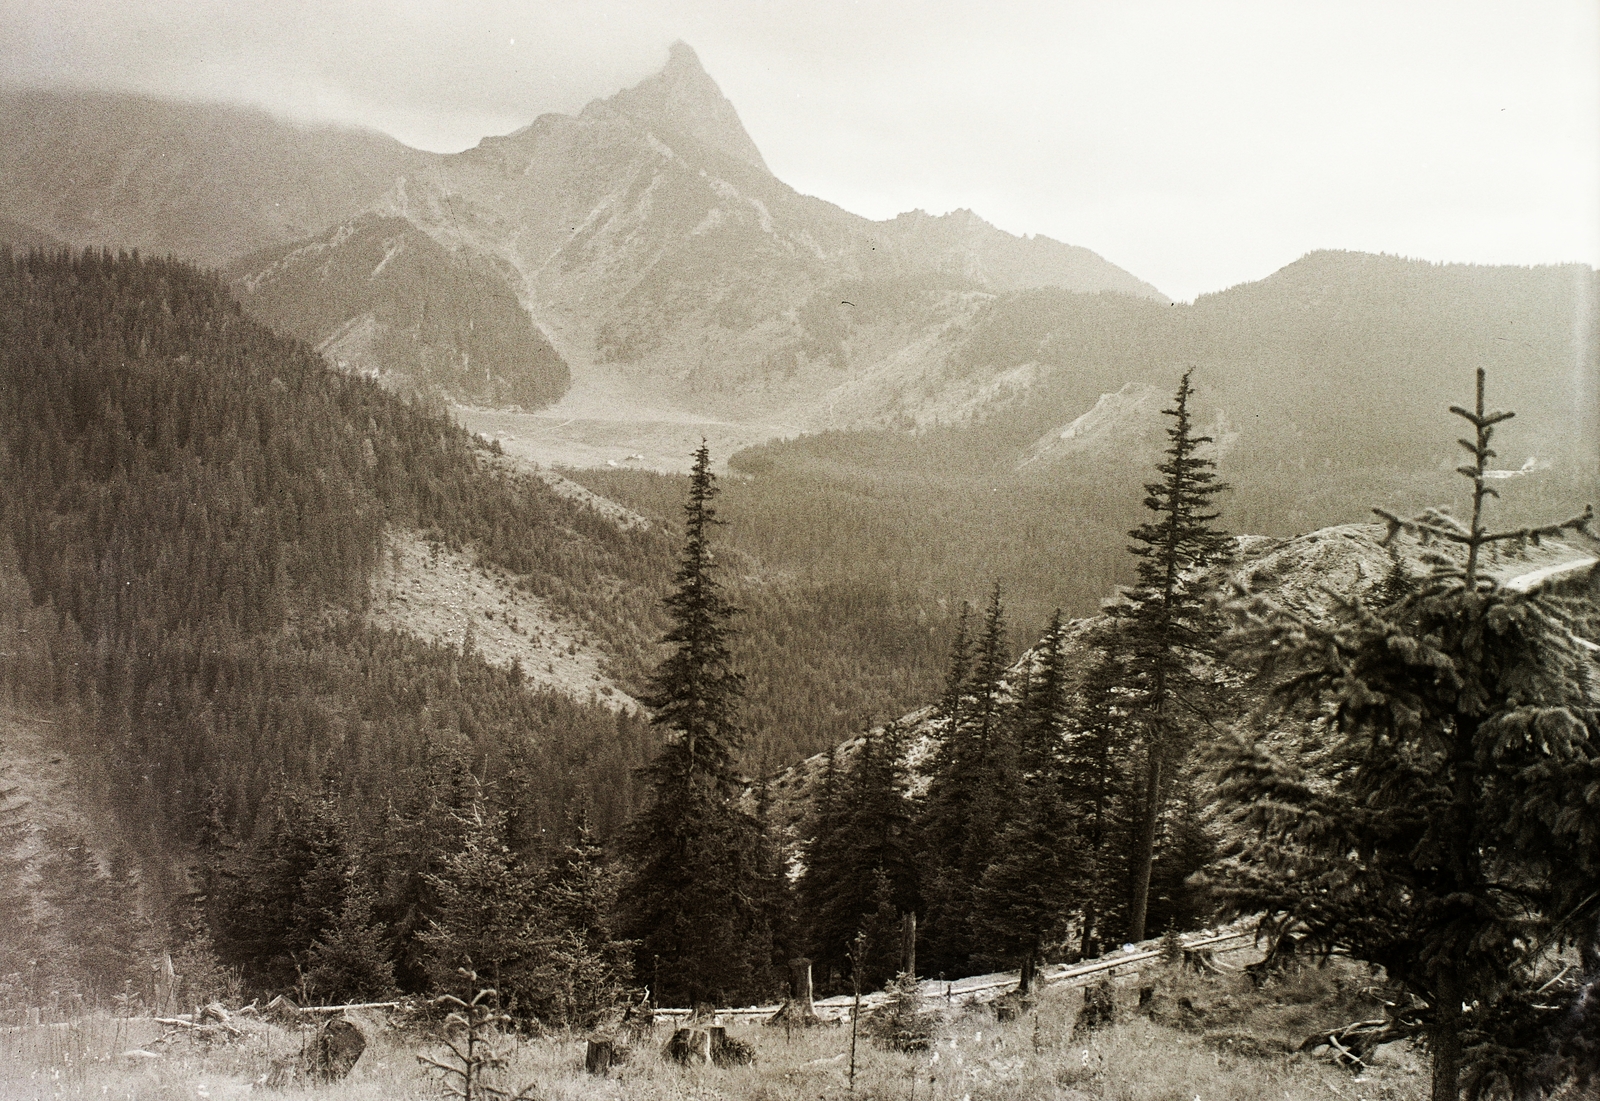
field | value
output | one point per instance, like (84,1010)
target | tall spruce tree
(1024,896)
(96,915)
(1098,777)
(589,967)
(695,900)
(1164,619)
(859,861)
(1441,820)
(967,794)
(959,666)
(487,914)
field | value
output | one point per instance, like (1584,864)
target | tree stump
(689,1046)
(282,1010)
(599,1055)
(1012,1006)
(798,1011)
(338,1045)
(639,1019)
(729,1051)
(1099,1007)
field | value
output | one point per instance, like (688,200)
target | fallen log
(1352,1044)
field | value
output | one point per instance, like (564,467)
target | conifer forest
(309,806)
(572,615)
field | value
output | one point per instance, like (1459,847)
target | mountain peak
(682,97)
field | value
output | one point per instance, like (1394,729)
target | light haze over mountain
(1199,146)
(684,290)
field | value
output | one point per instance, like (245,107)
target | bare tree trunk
(599,1055)
(1144,859)
(908,944)
(1444,1040)
(800,985)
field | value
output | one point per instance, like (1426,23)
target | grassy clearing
(1225,1044)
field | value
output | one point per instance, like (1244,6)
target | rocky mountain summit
(654,247)
(634,278)
(644,236)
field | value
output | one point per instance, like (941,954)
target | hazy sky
(1198,144)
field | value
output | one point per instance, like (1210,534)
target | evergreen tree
(542,937)
(20,945)
(590,966)
(826,874)
(413,840)
(1164,619)
(1097,774)
(96,916)
(1178,899)
(1024,896)
(1443,824)
(861,871)
(351,961)
(486,914)
(202,977)
(283,891)
(967,794)
(777,898)
(959,666)
(694,899)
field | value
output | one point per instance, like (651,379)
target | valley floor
(603,422)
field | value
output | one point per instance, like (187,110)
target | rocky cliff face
(653,242)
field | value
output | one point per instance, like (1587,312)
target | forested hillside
(195,506)
(381,297)
(1326,387)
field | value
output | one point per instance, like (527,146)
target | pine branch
(1418,525)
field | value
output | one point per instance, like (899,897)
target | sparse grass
(974,1058)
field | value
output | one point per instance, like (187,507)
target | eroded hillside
(447,598)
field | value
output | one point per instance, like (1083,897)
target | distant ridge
(964,244)
(206,182)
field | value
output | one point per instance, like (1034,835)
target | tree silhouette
(695,899)
(1026,893)
(1164,617)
